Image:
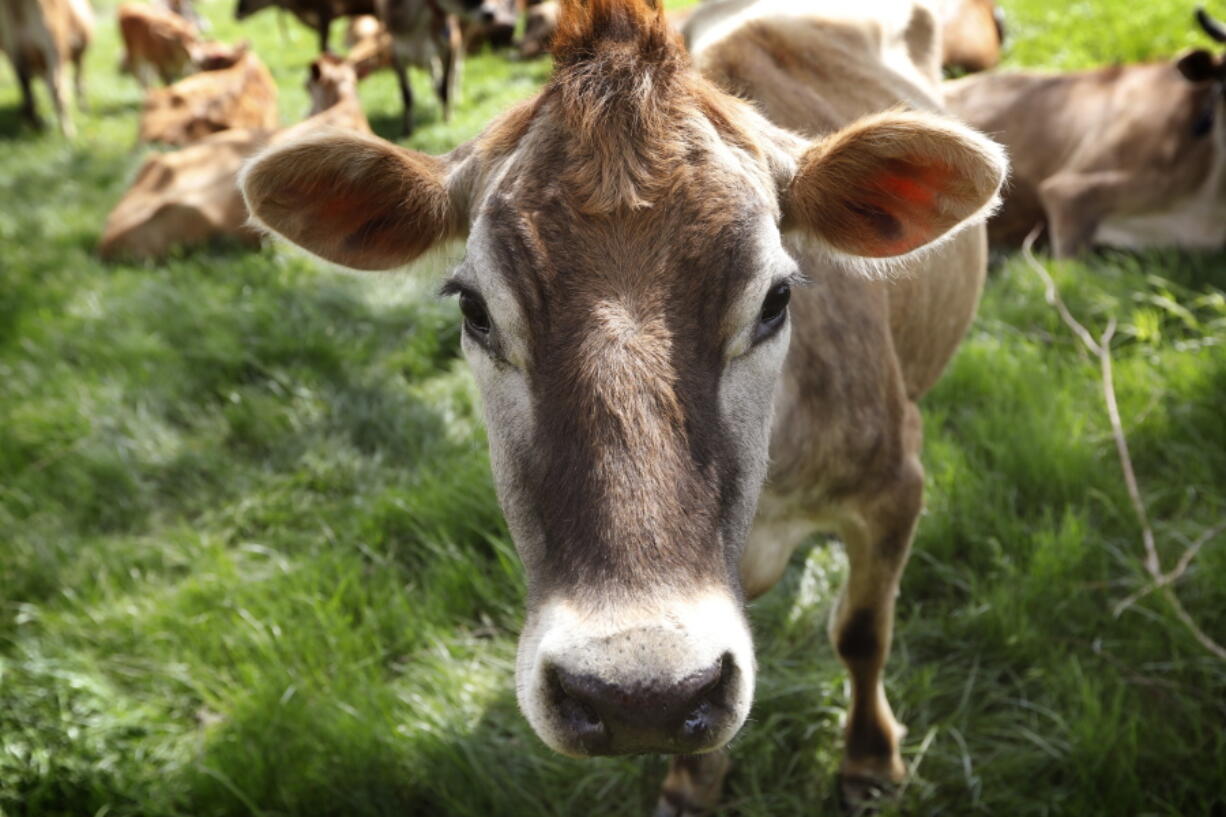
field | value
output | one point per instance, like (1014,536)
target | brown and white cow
(189,197)
(1126,156)
(670,295)
(159,44)
(41,37)
(243,95)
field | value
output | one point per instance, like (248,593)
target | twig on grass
(1153,565)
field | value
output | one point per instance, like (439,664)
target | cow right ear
(1198,66)
(354,200)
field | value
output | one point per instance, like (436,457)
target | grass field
(251,560)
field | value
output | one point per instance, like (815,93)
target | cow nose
(607,718)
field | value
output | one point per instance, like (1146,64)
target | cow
(189,197)
(316,14)
(41,37)
(492,23)
(684,280)
(243,95)
(427,35)
(972,35)
(160,44)
(1128,156)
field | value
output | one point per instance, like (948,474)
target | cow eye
(774,311)
(476,318)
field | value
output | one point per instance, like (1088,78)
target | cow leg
(57,83)
(78,80)
(325,30)
(28,110)
(693,784)
(876,532)
(406,92)
(1075,204)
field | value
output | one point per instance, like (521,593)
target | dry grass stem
(1153,565)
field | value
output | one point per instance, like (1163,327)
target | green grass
(251,560)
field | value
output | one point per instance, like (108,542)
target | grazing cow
(316,14)
(636,313)
(1126,156)
(41,37)
(190,196)
(243,95)
(972,35)
(427,35)
(159,43)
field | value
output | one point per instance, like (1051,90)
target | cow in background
(243,95)
(427,35)
(972,35)
(159,44)
(316,14)
(41,37)
(1126,156)
(190,196)
(187,10)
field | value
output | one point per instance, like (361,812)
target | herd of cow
(1131,155)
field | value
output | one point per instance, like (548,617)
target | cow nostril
(710,698)
(579,716)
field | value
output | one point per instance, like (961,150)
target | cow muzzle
(672,678)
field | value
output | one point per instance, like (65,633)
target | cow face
(625,304)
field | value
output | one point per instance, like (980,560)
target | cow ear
(892,183)
(1198,66)
(354,200)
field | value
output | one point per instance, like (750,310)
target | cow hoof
(861,795)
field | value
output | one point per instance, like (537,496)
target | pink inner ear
(900,208)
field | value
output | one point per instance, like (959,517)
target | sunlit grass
(251,560)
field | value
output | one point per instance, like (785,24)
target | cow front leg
(877,534)
(28,111)
(1077,203)
(406,93)
(693,784)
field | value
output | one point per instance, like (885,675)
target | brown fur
(41,37)
(971,35)
(1091,145)
(241,96)
(159,42)
(191,196)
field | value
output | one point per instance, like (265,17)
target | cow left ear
(893,183)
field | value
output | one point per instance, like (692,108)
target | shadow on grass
(14,126)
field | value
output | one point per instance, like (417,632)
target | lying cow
(41,37)
(972,35)
(634,311)
(243,95)
(1126,156)
(159,44)
(190,196)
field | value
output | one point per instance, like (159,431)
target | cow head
(625,306)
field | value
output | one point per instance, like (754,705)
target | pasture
(251,561)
